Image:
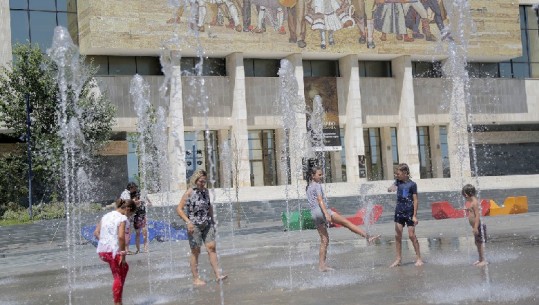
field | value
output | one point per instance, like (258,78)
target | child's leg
(324,242)
(212,254)
(338,219)
(145,235)
(195,252)
(398,244)
(415,242)
(137,238)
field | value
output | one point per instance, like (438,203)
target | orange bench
(511,205)
(359,217)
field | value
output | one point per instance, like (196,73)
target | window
(190,66)
(315,68)
(445,152)
(125,65)
(482,70)
(375,69)
(373,154)
(343,156)
(202,152)
(34,20)
(394,146)
(425,69)
(261,67)
(122,65)
(526,65)
(262,160)
(423,141)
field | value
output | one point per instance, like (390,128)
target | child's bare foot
(371,239)
(221,277)
(476,262)
(396,263)
(199,282)
(325,269)
(418,262)
(481,264)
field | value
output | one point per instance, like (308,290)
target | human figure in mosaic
(297,25)
(328,16)
(269,10)
(389,19)
(420,10)
(198,11)
(360,18)
(230,10)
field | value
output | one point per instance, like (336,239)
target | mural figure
(412,9)
(272,11)
(328,16)
(296,21)
(389,19)
(360,18)
(231,12)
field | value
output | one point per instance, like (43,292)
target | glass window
(531,16)
(521,70)
(423,140)
(66,5)
(343,156)
(187,65)
(69,21)
(534,67)
(20,30)
(42,26)
(373,157)
(122,65)
(505,70)
(249,67)
(100,62)
(148,65)
(480,70)
(445,152)
(18,4)
(375,69)
(426,69)
(320,68)
(394,146)
(43,5)
(533,45)
(214,67)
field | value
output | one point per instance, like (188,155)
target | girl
(197,212)
(405,212)
(110,232)
(323,216)
(139,222)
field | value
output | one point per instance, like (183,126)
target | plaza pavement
(270,266)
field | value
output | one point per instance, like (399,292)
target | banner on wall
(325,89)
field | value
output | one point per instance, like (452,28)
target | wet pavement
(267,265)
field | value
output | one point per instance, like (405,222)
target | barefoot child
(479,229)
(323,216)
(110,232)
(139,222)
(405,211)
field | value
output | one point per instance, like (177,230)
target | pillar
(176,137)
(5,33)
(407,126)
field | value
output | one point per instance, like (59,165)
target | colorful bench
(511,205)
(359,217)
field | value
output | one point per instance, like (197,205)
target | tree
(32,73)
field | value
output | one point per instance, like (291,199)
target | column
(5,33)
(353,127)
(436,152)
(239,136)
(387,153)
(226,162)
(407,126)
(176,137)
(282,178)
(297,136)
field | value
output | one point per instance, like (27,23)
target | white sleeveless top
(108,237)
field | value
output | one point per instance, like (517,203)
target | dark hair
(403,167)
(469,190)
(310,172)
(131,185)
(126,204)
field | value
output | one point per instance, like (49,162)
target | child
(323,216)
(110,232)
(479,229)
(139,222)
(405,211)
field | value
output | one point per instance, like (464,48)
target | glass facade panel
(66,5)
(425,69)
(214,67)
(101,62)
(262,160)
(314,68)
(43,5)
(148,65)
(394,146)
(18,4)
(122,65)
(20,29)
(444,151)
(373,157)
(42,26)
(343,156)
(201,152)
(531,18)
(423,140)
(521,70)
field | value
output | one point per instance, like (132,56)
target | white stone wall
(5,33)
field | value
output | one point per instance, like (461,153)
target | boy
(405,211)
(479,230)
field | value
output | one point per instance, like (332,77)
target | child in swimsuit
(479,229)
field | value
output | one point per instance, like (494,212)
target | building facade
(381,70)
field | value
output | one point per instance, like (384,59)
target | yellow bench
(511,205)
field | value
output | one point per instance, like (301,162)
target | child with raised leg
(323,216)
(479,229)
(405,212)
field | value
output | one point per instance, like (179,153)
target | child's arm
(181,212)
(323,208)
(393,187)
(475,209)
(97,231)
(416,204)
(121,241)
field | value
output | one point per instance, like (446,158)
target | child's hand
(414,219)
(328,218)
(392,188)
(475,231)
